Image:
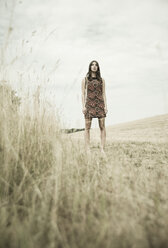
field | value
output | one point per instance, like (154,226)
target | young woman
(94,102)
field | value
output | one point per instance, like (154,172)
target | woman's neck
(93,74)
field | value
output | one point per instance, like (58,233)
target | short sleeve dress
(94,99)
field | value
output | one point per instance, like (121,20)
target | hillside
(152,129)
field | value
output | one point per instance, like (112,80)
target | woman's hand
(105,109)
(84,110)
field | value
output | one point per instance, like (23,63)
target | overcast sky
(53,41)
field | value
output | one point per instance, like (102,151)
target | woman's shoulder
(83,79)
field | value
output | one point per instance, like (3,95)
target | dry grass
(53,195)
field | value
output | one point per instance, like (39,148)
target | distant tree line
(72,130)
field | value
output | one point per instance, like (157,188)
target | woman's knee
(102,124)
(102,127)
(87,127)
(88,124)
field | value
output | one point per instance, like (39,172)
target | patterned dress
(94,100)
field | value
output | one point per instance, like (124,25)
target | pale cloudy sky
(53,42)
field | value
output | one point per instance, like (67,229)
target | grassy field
(53,195)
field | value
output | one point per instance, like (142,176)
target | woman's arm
(104,95)
(83,94)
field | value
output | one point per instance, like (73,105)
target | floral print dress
(94,99)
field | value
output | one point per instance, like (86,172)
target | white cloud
(54,42)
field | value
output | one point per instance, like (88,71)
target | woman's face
(94,66)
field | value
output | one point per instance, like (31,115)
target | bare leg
(102,133)
(87,133)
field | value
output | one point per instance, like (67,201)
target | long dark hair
(89,73)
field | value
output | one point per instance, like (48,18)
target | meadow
(53,195)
